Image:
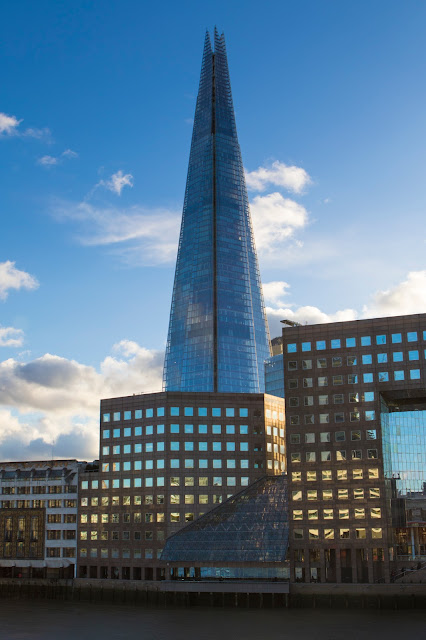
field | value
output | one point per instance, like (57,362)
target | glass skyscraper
(218,335)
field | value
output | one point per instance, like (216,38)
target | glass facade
(404,443)
(218,335)
(252,526)
(274,375)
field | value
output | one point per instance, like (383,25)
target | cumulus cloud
(53,401)
(11,337)
(409,296)
(140,236)
(275,292)
(8,124)
(50,161)
(275,220)
(406,297)
(13,278)
(117,182)
(278,174)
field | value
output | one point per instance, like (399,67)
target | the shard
(218,334)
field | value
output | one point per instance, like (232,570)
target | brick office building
(345,386)
(165,459)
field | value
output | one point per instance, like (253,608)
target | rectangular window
(306,346)
(412,336)
(396,337)
(322,400)
(414,374)
(381,339)
(320,344)
(322,381)
(335,344)
(306,364)
(367,359)
(398,375)
(365,341)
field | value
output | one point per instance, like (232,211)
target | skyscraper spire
(218,334)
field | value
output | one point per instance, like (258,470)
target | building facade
(165,460)
(218,335)
(345,385)
(38,518)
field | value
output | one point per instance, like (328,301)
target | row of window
(358,513)
(339,416)
(354,378)
(17,550)
(359,533)
(60,534)
(202,429)
(37,504)
(203,463)
(363,341)
(325,456)
(351,361)
(339,436)
(203,412)
(175,445)
(313,476)
(115,553)
(338,398)
(37,489)
(126,535)
(160,482)
(331,494)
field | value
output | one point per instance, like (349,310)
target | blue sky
(96,113)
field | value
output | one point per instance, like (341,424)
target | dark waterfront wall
(249,595)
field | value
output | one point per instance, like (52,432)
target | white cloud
(13,278)
(54,401)
(11,337)
(409,296)
(275,220)
(278,174)
(304,315)
(50,161)
(139,236)
(406,297)
(118,181)
(8,124)
(275,292)
(69,153)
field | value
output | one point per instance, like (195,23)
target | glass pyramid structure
(252,526)
(218,334)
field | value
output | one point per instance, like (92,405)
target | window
(327,494)
(306,364)
(338,398)
(324,418)
(365,341)
(293,402)
(295,438)
(352,378)
(322,400)
(309,418)
(328,514)
(381,339)
(325,436)
(308,401)
(351,361)
(310,456)
(383,376)
(322,381)
(412,336)
(354,416)
(367,377)
(322,363)
(340,436)
(320,344)
(307,382)
(335,344)
(413,355)
(414,374)
(291,347)
(338,379)
(339,417)
(325,456)
(358,494)
(326,475)
(309,438)
(396,337)
(292,365)
(372,454)
(306,346)
(312,494)
(398,356)
(367,359)
(398,375)
(356,454)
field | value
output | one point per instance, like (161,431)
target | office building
(218,335)
(165,460)
(38,518)
(356,442)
